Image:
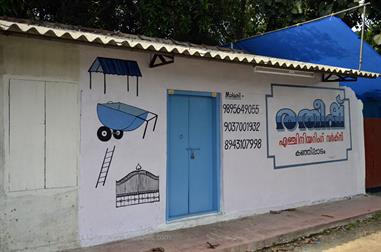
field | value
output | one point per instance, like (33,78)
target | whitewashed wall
(65,208)
(39,97)
(249,182)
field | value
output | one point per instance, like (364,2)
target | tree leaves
(199,21)
(377,39)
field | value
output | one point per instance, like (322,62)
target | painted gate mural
(137,187)
(313,130)
(116,118)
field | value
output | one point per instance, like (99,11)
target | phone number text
(231,108)
(242,144)
(241,126)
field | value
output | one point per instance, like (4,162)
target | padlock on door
(193,153)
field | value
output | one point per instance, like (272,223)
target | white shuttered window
(43,134)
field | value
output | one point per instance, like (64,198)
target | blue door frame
(190,176)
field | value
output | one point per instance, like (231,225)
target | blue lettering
(312,118)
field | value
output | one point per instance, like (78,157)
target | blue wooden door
(192,155)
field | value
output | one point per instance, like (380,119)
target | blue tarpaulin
(328,41)
(372,104)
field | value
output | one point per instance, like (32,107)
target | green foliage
(373,34)
(282,13)
(198,21)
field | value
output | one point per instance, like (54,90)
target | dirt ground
(363,235)
(367,243)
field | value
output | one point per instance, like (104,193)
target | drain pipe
(362,2)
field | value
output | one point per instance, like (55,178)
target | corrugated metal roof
(165,46)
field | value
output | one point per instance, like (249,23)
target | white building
(99,143)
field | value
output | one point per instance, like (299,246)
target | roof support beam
(160,60)
(330,77)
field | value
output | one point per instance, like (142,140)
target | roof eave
(176,48)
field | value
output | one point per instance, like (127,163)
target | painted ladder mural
(105,167)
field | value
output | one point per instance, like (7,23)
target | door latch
(192,154)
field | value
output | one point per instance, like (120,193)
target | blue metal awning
(116,67)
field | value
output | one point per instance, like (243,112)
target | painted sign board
(307,125)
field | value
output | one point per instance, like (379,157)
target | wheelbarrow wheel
(104,134)
(118,134)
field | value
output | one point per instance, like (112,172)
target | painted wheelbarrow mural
(118,117)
